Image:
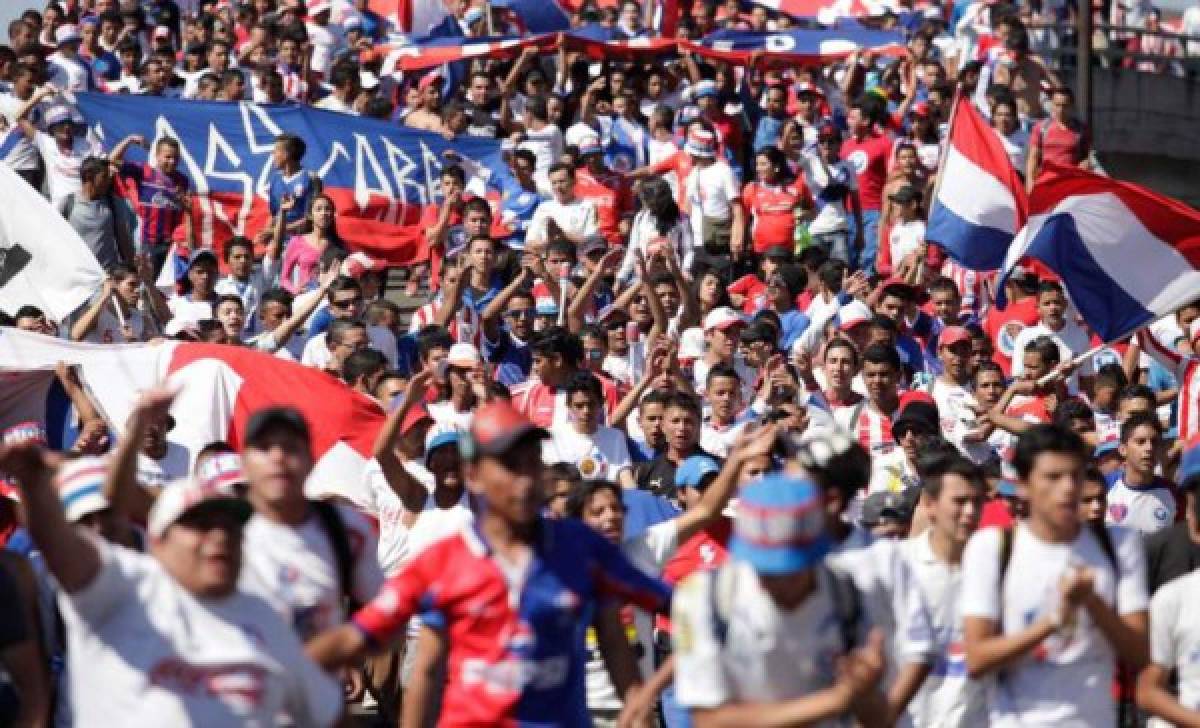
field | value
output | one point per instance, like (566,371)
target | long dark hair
(656,196)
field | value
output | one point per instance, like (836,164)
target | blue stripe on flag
(974,246)
(1107,307)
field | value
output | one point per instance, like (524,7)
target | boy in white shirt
(953,494)
(760,637)
(565,216)
(713,196)
(1052,603)
(598,451)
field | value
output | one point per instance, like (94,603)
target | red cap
(952,335)
(413,417)
(497,426)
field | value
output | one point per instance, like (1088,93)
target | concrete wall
(1141,113)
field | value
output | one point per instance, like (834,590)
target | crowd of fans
(690,335)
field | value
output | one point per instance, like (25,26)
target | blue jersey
(517,651)
(302,186)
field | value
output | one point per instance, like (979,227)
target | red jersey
(755,291)
(612,195)
(1066,145)
(869,157)
(1003,326)
(706,550)
(546,406)
(996,515)
(771,208)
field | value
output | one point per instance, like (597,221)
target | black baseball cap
(271,419)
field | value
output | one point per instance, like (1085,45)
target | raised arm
(69,555)
(403,484)
(87,320)
(117,155)
(124,493)
(716,495)
(23,111)
(490,317)
(299,316)
(155,302)
(583,297)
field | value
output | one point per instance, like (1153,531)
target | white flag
(43,261)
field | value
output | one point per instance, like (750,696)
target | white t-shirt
(1144,509)
(891,599)
(325,40)
(1071,340)
(904,238)
(599,456)
(295,569)
(107,329)
(448,418)
(719,440)
(947,699)
(62,168)
(831,215)
(144,651)
(768,654)
(316,352)
(395,521)
(710,192)
(68,74)
(649,551)
(24,155)
(956,405)
(547,146)
(1175,637)
(185,310)
(1066,682)
(577,217)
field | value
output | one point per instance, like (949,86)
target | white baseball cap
(722,317)
(463,355)
(181,496)
(853,314)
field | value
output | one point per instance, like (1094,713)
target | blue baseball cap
(441,439)
(1006,489)
(780,525)
(1104,447)
(692,471)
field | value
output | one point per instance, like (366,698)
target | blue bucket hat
(780,525)
(692,471)
(440,440)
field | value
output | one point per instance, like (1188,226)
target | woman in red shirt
(772,200)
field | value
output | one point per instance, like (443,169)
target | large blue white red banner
(800,45)
(381,176)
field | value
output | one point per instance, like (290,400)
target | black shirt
(1170,553)
(658,475)
(483,120)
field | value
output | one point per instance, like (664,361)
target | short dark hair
(338,328)
(585,382)
(722,371)
(362,363)
(229,298)
(1140,419)
(1043,438)
(276,295)
(882,354)
(582,492)
(430,338)
(683,401)
(558,341)
(455,171)
(841,342)
(561,167)
(1050,287)
(91,168)
(1047,348)
(343,283)
(1137,391)
(1072,408)
(237,241)
(953,464)
(295,146)
(1111,375)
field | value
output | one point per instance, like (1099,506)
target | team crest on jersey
(1160,514)
(622,163)
(1118,511)
(858,158)
(1006,338)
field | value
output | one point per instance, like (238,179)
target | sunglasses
(345,302)
(521,313)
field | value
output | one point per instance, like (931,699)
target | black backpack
(335,528)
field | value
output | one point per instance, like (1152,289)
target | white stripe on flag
(1152,272)
(974,195)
